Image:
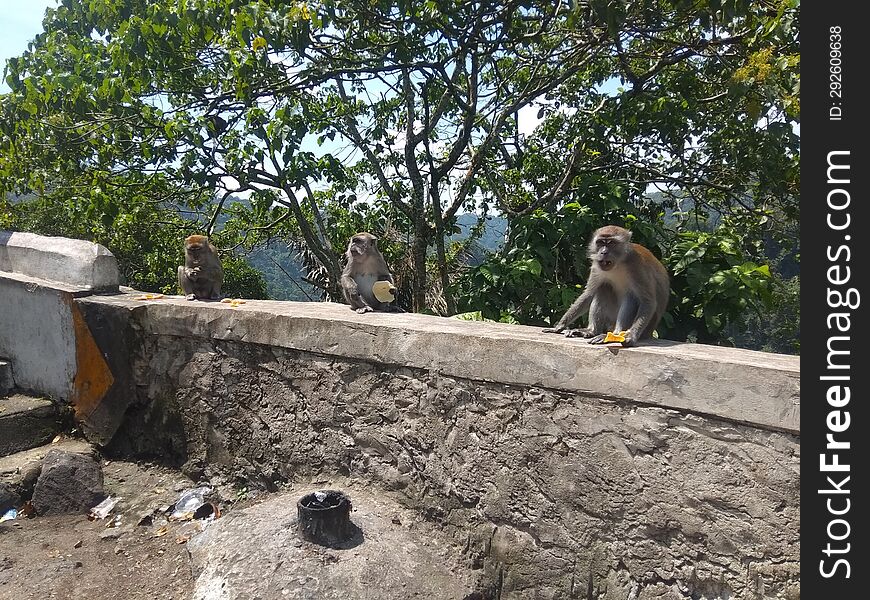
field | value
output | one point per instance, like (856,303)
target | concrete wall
(42,332)
(669,471)
(37,335)
(666,471)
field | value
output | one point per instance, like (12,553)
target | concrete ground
(257,553)
(251,551)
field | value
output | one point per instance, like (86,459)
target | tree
(705,111)
(405,114)
(145,238)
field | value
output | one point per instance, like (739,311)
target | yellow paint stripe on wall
(93,376)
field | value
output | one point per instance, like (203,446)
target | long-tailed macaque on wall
(201,275)
(627,290)
(366,282)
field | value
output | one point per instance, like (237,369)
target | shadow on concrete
(4,252)
(355,539)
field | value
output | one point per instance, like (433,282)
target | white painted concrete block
(38,337)
(73,262)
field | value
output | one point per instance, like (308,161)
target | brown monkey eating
(364,269)
(202,275)
(627,290)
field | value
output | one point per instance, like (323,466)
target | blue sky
(20,21)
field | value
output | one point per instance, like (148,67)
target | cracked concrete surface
(551,493)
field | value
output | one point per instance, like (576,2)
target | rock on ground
(68,483)
(9,498)
(69,557)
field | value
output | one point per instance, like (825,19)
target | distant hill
(493,232)
(283,272)
(491,240)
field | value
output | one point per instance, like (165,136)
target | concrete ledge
(25,422)
(756,388)
(72,262)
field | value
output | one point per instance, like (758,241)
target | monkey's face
(194,249)
(604,258)
(361,244)
(195,244)
(609,246)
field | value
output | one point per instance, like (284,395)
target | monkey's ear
(627,235)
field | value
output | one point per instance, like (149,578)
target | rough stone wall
(557,495)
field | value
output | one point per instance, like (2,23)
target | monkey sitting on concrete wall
(627,290)
(202,275)
(366,281)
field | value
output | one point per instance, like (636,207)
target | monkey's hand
(351,289)
(364,309)
(583,332)
(194,273)
(556,329)
(627,339)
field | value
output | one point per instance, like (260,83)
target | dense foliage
(145,238)
(142,117)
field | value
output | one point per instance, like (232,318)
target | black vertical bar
(834,367)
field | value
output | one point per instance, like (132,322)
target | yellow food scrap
(615,336)
(233,302)
(383,291)
(149,297)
